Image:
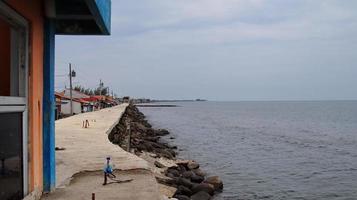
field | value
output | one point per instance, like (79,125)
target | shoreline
(178,179)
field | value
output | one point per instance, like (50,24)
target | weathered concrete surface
(84,184)
(86,149)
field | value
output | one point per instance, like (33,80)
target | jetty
(82,146)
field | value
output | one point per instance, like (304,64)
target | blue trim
(104,7)
(101,12)
(49,103)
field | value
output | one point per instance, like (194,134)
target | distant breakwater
(155,105)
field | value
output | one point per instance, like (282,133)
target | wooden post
(129,138)
(93,196)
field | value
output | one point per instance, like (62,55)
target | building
(66,107)
(58,110)
(80,103)
(27,100)
(93,103)
(63,105)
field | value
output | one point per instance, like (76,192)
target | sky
(224,50)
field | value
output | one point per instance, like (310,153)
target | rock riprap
(185,175)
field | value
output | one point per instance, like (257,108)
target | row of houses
(80,103)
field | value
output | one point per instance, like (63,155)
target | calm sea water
(269,150)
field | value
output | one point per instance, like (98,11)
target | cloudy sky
(220,50)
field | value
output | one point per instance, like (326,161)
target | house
(27,100)
(66,106)
(100,101)
(58,110)
(63,105)
(85,105)
(93,103)
(79,102)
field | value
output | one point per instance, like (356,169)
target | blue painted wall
(49,104)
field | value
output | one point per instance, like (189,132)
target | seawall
(81,154)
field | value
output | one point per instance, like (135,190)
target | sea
(268,150)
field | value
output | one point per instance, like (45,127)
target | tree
(104,91)
(90,92)
(77,88)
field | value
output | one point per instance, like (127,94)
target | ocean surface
(269,150)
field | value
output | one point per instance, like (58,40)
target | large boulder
(165,163)
(183,190)
(182,197)
(170,175)
(199,172)
(188,174)
(166,190)
(192,165)
(203,187)
(173,171)
(215,181)
(164,153)
(201,196)
(182,162)
(184,182)
(161,132)
(164,180)
(181,168)
(197,179)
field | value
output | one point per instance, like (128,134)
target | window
(11,173)
(13,104)
(12,59)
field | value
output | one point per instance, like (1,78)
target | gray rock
(216,182)
(197,179)
(170,175)
(193,165)
(174,172)
(182,197)
(203,187)
(184,182)
(188,174)
(181,168)
(182,190)
(201,196)
(199,172)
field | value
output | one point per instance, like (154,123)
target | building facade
(27,102)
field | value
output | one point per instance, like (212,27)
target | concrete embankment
(81,156)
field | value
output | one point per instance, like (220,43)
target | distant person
(108,171)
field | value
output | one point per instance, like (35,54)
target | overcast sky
(220,50)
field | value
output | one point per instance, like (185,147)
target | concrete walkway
(80,164)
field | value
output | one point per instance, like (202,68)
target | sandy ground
(84,154)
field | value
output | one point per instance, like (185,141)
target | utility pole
(100,87)
(100,92)
(70,88)
(72,73)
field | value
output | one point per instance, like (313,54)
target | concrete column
(49,103)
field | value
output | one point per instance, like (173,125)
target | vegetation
(89,91)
